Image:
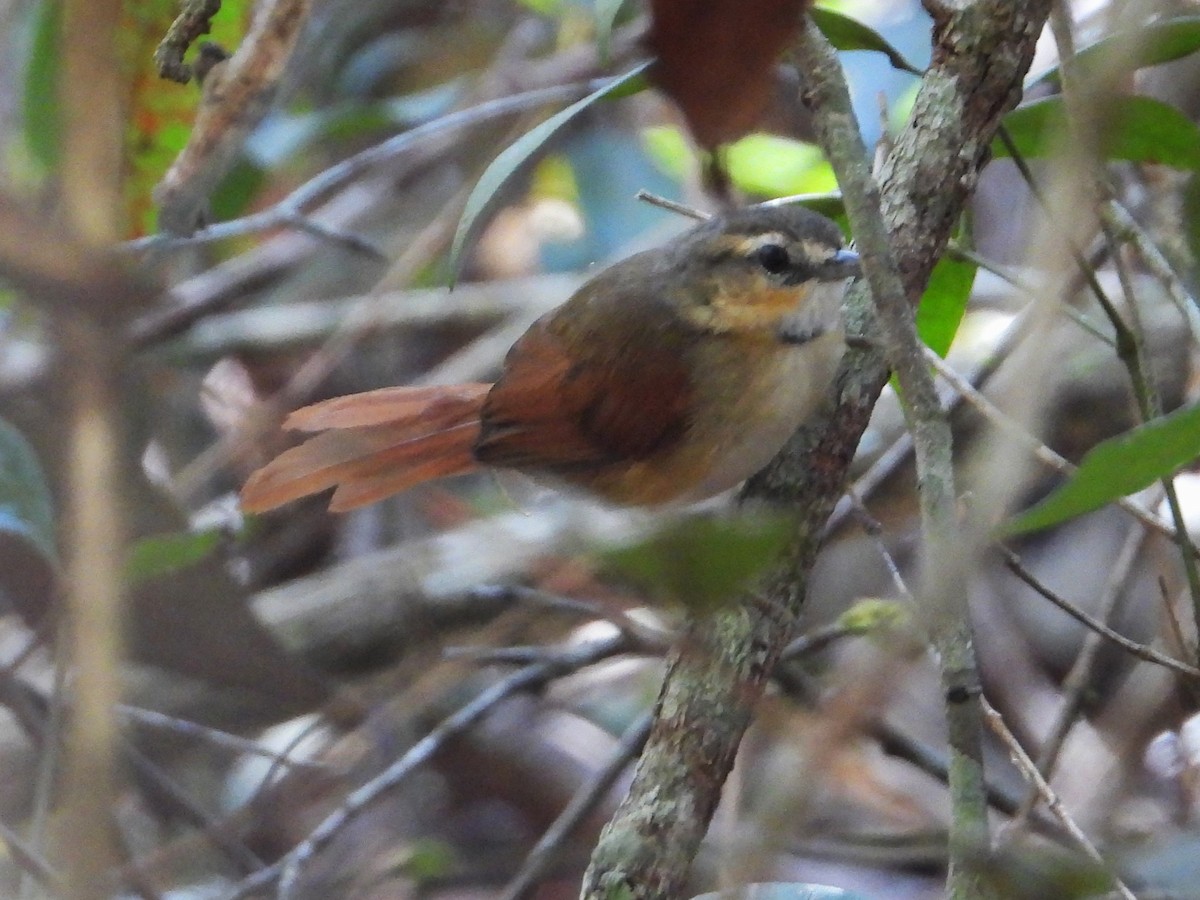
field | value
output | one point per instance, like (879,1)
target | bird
(666,379)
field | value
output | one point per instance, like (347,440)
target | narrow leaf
(846,33)
(1117,467)
(42,116)
(1156,43)
(944,302)
(519,152)
(606,14)
(1140,129)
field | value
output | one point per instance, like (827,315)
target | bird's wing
(553,410)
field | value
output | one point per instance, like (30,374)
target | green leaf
(771,166)
(163,554)
(606,14)
(944,302)
(874,614)
(1118,467)
(1140,129)
(26,509)
(761,164)
(41,114)
(517,153)
(700,562)
(846,33)
(544,7)
(1152,45)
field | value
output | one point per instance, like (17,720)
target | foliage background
(347,640)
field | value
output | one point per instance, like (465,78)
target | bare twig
(673,205)
(946,545)
(1040,451)
(232,742)
(27,859)
(236,96)
(537,864)
(874,531)
(1141,651)
(194,20)
(1033,776)
(287,870)
(291,211)
(1160,267)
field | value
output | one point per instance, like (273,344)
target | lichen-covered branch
(717,673)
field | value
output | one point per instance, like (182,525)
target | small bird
(668,378)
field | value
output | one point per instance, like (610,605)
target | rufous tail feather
(371,445)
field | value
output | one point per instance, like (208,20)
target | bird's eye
(773,258)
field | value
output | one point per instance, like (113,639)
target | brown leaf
(716,59)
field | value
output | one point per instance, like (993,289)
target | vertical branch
(944,558)
(92,204)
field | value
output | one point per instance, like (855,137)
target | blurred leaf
(846,33)
(1117,467)
(716,59)
(428,860)
(944,302)
(701,562)
(43,127)
(553,177)
(517,153)
(1139,129)
(606,14)
(784,890)
(233,194)
(873,614)
(761,164)
(1151,45)
(165,554)
(543,7)
(773,166)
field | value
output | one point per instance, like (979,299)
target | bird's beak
(843,264)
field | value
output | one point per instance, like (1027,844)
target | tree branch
(719,668)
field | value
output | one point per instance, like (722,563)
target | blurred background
(273,666)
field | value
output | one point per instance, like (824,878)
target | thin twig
(673,205)
(1021,759)
(235,743)
(28,860)
(586,799)
(288,869)
(1141,651)
(946,546)
(816,640)
(873,530)
(898,452)
(1157,263)
(291,209)
(966,254)
(1040,451)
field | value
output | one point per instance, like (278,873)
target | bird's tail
(372,445)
